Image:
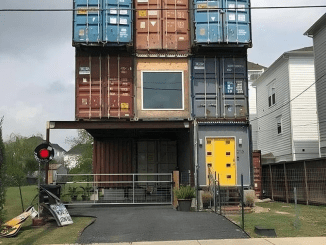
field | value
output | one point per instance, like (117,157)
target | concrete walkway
(251,241)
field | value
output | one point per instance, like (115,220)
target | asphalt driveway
(153,223)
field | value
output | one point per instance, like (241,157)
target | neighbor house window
(271,94)
(279,124)
(162,90)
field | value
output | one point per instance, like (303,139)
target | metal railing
(77,189)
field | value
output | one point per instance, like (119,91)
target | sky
(37,59)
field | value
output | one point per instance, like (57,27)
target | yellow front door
(220,158)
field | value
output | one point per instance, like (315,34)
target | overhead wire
(288,102)
(247,8)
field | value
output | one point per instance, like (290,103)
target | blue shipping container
(220,88)
(102,22)
(222,22)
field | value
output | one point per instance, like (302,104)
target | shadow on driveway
(153,223)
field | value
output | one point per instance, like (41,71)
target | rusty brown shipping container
(104,85)
(256,155)
(113,156)
(162,89)
(162,25)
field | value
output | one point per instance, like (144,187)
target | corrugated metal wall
(102,22)
(162,25)
(222,22)
(104,85)
(220,87)
(114,156)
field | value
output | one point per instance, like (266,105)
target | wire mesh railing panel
(116,189)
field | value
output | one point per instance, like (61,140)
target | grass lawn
(288,221)
(47,234)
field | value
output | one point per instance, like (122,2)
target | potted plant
(206,198)
(73,193)
(184,195)
(85,196)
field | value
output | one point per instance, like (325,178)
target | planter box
(184,205)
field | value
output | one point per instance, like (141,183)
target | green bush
(185,192)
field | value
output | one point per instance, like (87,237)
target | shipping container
(114,156)
(223,150)
(142,151)
(256,158)
(162,89)
(220,87)
(221,22)
(162,26)
(102,22)
(104,85)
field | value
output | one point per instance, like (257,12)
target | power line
(288,101)
(100,9)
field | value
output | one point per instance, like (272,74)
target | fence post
(176,182)
(242,201)
(286,185)
(215,205)
(306,182)
(133,188)
(271,178)
(219,194)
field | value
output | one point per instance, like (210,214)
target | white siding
(303,108)
(253,115)
(269,141)
(320,69)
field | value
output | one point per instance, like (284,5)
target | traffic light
(44,153)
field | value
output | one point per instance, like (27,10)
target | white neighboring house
(59,153)
(71,157)
(318,32)
(254,71)
(286,108)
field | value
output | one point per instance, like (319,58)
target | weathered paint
(113,156)
(162,25)
(222,22)
(162,65)
(220,87)
(256,155)
(104,85)
(102,22)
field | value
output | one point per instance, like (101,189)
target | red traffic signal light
(44,152)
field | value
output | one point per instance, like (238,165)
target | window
(279,124)
(162,90)
(271,95)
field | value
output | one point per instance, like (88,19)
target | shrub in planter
(185,192)
(206,198)
(184,195)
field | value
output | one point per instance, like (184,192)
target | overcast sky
(37,59)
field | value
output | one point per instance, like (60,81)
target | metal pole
(21,197)
(286,185)
(39,189)
(242,201)
(219,194)
(215,194)
(306,182)
(133,188)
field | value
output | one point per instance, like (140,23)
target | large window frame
(163,109)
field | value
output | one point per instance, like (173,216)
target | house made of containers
(175,97)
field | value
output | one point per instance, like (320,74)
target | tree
(20,160)
(84,142)
(2,175)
